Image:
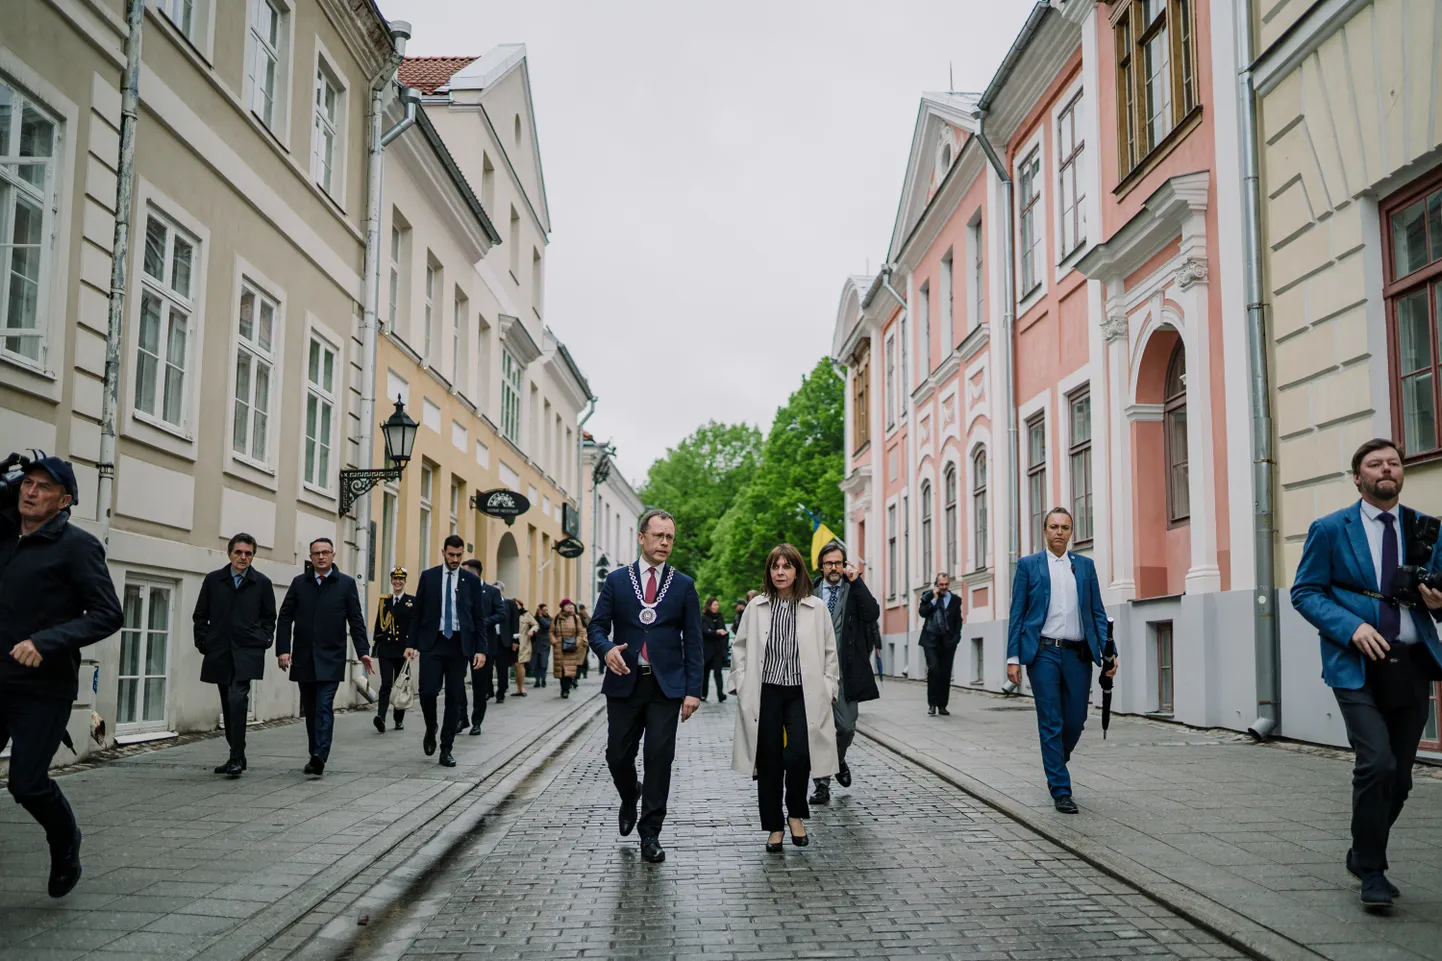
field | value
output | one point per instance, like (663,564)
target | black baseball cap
(61,472)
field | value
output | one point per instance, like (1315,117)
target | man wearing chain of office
(1368,582)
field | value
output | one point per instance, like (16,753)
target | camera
(12,470)
(1421,541)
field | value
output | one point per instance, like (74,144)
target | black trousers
(448,666)
(783,755)
(34,727)
(482,689)
(1384,723)
(317,706)
(234,707)
(649,712)
(939,657)
(391,668)
(711,666)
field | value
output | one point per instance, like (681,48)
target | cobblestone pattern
(901,865)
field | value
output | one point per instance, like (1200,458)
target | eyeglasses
(825,564)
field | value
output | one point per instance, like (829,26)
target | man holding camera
(56,596)
(1380,652)
(940,612)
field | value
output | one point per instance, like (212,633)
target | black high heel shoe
(775,847)
(800,841)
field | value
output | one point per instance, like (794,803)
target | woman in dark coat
(713,647)
(393,627)
(234,622)
(541,645)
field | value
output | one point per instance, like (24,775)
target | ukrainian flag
(821,535)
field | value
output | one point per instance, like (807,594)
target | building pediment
(944,121)
(849,328)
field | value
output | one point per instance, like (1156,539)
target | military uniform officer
(393,626)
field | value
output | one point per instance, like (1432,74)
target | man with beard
(854,616)
(1380,652)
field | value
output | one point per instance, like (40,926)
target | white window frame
(976,276)
(427,335)
(511,371)
(923,331)
(14,189)
(147,589)
(184,15)
(427,492)
(892,558)
(951,475)
(323,485)
(892,383)
(1033,218)
(1040,405)
(326,73)
(1075,101)
(251,282)
(946,304)
(979,497)
(172,301)
(459,308)
(390,511)
(258,47)
(455,504)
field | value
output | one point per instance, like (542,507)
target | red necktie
(650,599)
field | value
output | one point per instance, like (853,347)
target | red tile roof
(427,73)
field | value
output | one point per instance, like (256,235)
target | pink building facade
(1076,340)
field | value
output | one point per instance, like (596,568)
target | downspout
(581,493)
(375,149)
(1008,322)
(119,256)
(886,270)
(1265,634)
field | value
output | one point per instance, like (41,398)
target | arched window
(945,160)
(978,509)
(948,517)
(1179,504)
(926,550)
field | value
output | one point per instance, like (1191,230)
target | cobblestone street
(900,865)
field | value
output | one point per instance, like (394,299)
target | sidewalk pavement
(1246,839)
(181,863)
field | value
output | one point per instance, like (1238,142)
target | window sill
(21,373)
(316,497)
(1159,153)
(865,446)
(251,471)
(159,435)
(1031,298)
(1069,262)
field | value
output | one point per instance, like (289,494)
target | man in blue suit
(1057,629)
(647,630)
(1380,654)
(448,633)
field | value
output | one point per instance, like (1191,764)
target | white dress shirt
(450,582)
(644,574)
(1375,531)
(1063,612)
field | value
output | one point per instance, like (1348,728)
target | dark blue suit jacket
(1031,596)
(430,599)
(1336,562)
(673,641)
(493,619)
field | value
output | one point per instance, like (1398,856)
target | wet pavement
(901,865)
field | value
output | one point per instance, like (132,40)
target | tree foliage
(801,464)
(697,481)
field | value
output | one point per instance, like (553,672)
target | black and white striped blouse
(783,657)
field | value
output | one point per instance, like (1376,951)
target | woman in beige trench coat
(784,671)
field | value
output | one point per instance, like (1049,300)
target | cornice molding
(1164,217)
(517,339)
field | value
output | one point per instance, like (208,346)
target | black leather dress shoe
(233,769)
(843,776)
(65,868)
(475,729)
(1065,804)
(820,795)
(1361,875)
(461,725)
(223,768)
(309,767)
(380,724)
(428,743)
(400,725)
(943,712)
(447,760)
(931,711)
(652,851)
(627,820)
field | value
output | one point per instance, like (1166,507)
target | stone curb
(1233,928)
(246,940)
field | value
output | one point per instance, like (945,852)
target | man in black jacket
(940,633)
(321,605)
(492,615)
(447,632)
(56,596)
(854,616)
(234,626)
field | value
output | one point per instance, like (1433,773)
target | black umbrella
(1109,660)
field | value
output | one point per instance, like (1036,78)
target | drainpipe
(1008,322)
(1265,631)
(119,257)
(581,492)
(886,270)
(376,144)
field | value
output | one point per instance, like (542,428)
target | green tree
(801,464)
(696,482)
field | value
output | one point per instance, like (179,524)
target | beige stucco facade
(244,232)
(1347,94)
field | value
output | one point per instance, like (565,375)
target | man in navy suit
(1379,656)
(1057,629)
(647,631)
(448,633)
(492,614)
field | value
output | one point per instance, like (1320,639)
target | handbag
(568,645)
(403,689)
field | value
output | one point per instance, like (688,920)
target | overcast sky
(714,173)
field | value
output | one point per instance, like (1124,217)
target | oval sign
(570,548)
(503,503)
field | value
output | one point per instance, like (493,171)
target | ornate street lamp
(399,432)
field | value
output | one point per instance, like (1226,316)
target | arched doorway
(1160,475)
(508,565)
